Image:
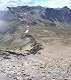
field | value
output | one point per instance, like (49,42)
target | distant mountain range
(37,14)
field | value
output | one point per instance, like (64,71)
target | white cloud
(59,3)
(5,3)
(48,3)
(54,3)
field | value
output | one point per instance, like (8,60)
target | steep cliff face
(62,15)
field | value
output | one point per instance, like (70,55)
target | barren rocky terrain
(53,63)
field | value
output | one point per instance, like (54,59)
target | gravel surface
(54,63)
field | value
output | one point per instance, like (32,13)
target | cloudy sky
(47,3)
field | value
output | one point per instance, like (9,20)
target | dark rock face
(62,15)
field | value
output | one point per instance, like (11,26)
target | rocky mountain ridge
(38,14)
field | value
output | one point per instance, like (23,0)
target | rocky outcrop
(35,48)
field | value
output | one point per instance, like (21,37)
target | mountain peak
(65,8)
